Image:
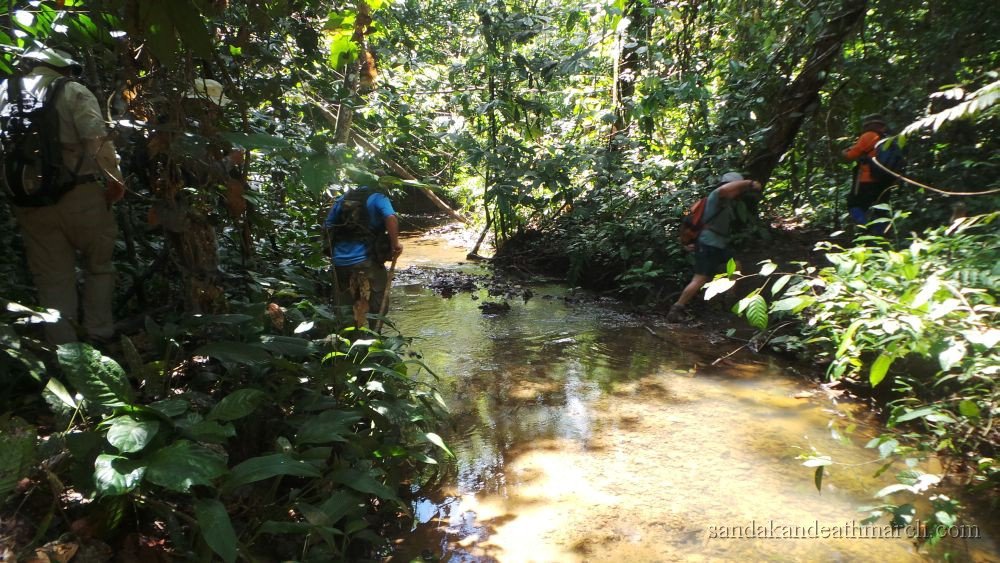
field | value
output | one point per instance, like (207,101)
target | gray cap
(873,119)
(731,177)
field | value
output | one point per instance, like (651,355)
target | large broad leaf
(317,171)
(237,404)
(328,426)
(116,475)
(210,431)
(216,528)
(131,435)
(234,352)
(265,467)
(98,378)
(191,27)
(184,464)
(159,30)
(363,482)
(287,346)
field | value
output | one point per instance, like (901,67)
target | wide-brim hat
(208,89)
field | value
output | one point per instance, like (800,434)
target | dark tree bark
(801,98)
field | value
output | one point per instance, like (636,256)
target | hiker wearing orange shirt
(866,190)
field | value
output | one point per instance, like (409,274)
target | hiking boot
(678,313)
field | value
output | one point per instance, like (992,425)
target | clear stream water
(579,435)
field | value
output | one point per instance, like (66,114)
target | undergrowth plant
(259,434)
(920,317)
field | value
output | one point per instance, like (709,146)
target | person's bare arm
(733,190)
(392,227)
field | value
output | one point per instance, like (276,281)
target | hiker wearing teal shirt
(712,247)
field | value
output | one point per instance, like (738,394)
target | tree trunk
(801,98)
(352,74)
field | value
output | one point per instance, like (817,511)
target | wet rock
(494,308)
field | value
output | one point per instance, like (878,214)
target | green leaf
(98,378)
(768,268)
(916,413)
(848,338)
(216,528)
(317,171)
(160,34)
(879,368)
(780,284)
(787,304)
(340,504)
(437,441)
(184,464)
(190,25)
(886,448)
(969,409)
(130,435)
(730,267)
(289,346)
(818,478)
(757,312)
(237,404)
(718,286)
(59,391)
(234,352)
(116,475)
(258,141)
(170,407)
(328,426)
(362,482)
(264,467)
(210,431)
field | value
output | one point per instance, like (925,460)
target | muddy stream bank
(579,435)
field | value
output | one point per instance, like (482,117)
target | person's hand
(397,250)
(114,191)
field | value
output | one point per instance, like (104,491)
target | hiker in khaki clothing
(82,220)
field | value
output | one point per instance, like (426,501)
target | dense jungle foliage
(237,414)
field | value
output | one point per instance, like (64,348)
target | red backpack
(692,223)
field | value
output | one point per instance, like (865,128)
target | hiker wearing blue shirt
(712,246)
(364,232)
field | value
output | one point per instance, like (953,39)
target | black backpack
(33,169)
(353,223)
(889,154)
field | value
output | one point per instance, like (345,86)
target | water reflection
(581,435)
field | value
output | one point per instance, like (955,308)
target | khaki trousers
(362,286)
(81,222)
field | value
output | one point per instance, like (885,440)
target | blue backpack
(889,154)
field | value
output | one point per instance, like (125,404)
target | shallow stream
(583,432)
